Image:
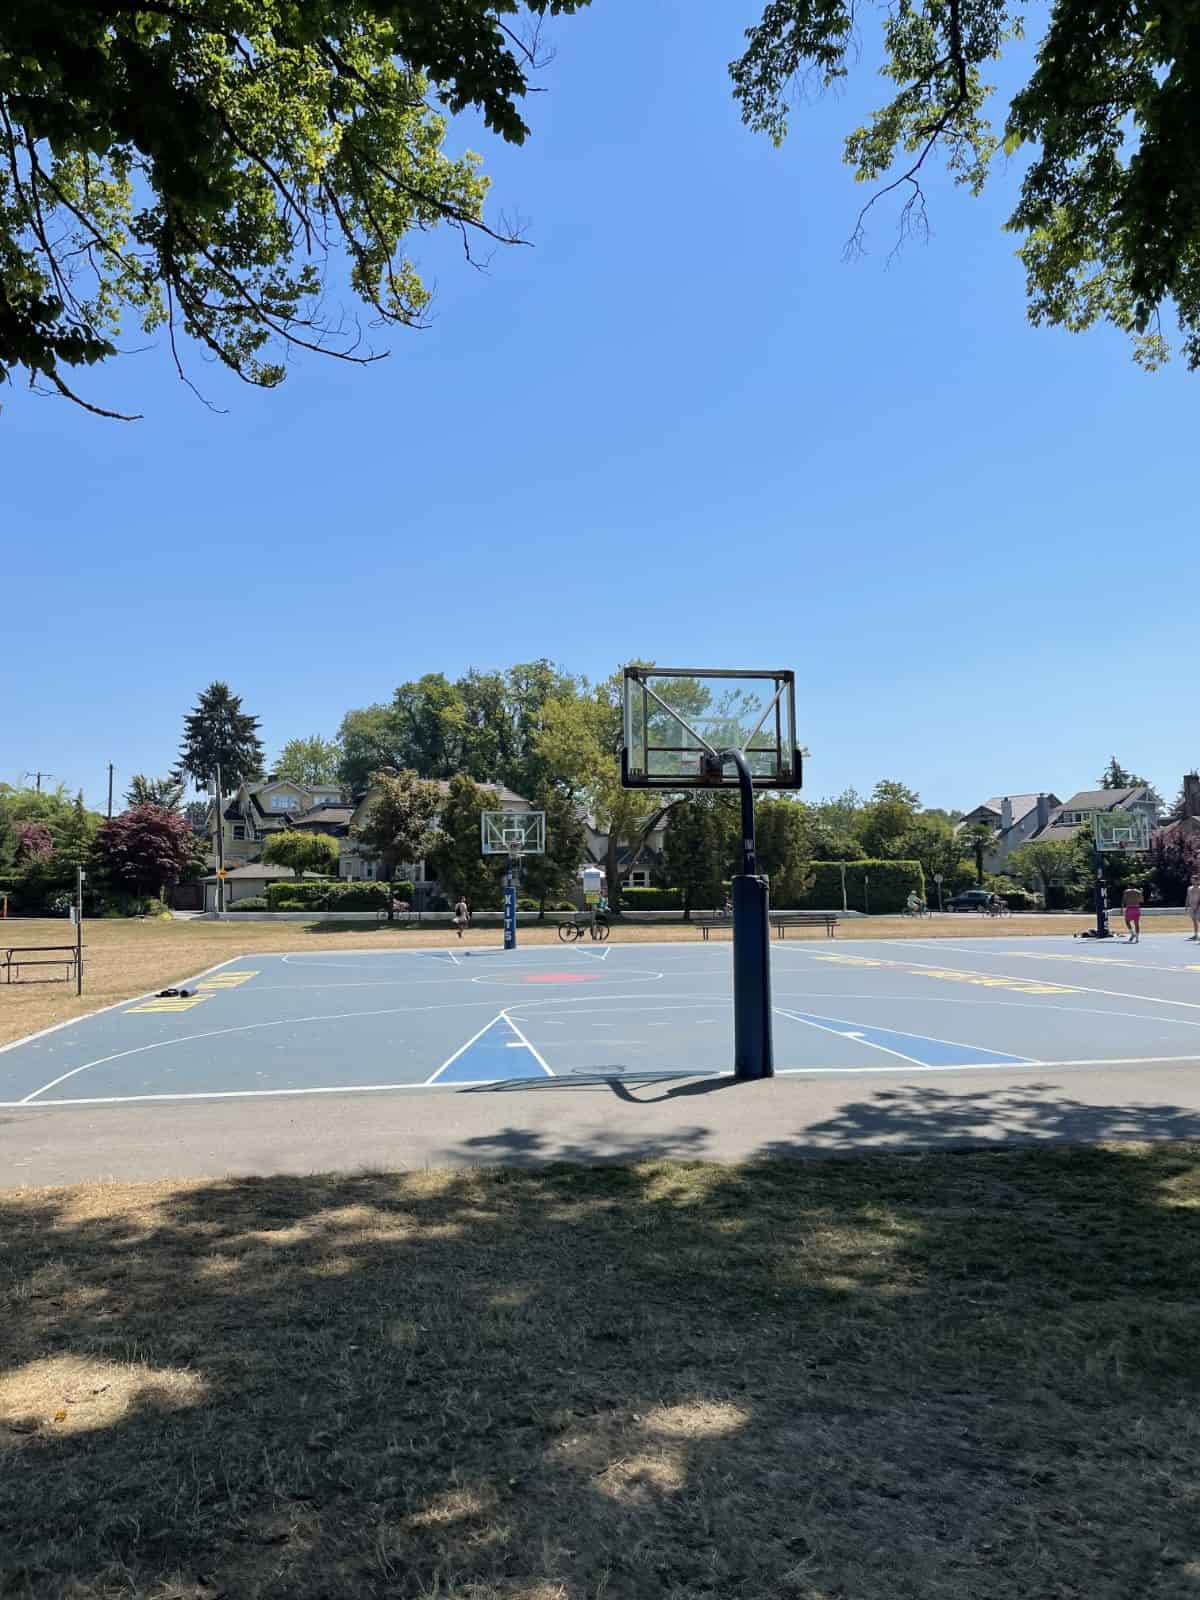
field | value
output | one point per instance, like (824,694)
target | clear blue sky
(680,428)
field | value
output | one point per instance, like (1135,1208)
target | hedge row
(302,895)
(874,886)
(652,899)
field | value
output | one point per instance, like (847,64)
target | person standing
(462,915)
(1131,907)
(1193,903)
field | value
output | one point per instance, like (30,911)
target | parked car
(969,900)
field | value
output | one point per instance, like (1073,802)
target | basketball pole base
(753,1045)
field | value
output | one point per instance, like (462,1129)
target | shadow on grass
(924,1376)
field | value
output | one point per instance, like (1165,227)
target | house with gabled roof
(1065,821)
(1014,819)
(262,806)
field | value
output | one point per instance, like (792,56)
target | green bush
(404,889)
(366,895)
(564,905)
(524,903)
(1020,900)
(652,899)
(301,894)
(251,902)
(875,886)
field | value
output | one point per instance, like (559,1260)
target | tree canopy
(200,167)
(1109,206)
(308,761)
(165,792)
(219,732)
(302,851)
(399,823)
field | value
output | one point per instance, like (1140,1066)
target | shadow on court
(933,1376)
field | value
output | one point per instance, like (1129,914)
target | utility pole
(220,827)
(39,776)
(110,770)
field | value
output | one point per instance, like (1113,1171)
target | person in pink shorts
(1131,906)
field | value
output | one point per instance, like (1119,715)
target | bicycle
(568,932)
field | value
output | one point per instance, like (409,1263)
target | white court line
(953,1044)
(857,1037)
(699,1072)
(592,955)
(450,1060)
(532,1048)
(28,1038)
(1049,955)
(1024,978)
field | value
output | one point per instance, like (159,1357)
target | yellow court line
(982,980)
(172,1004)
(226,980)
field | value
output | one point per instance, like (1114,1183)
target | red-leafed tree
(35,842)
(144,849)
(1174,861)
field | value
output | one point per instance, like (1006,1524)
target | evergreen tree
(165,792)
(219,732)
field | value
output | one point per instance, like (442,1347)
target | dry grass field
(969,1377)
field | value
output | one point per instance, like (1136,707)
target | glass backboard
(678,721)
(513,833)
(1121,830)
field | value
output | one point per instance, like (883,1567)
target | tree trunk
(612,872)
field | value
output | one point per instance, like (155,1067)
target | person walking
(1193,903)
(462,915)
(1131,908)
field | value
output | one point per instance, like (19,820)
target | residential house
(1014,819)
(648,858)
(356,862)
(1065,821)
(263,806)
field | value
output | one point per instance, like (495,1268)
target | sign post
(937,878)
(79,931)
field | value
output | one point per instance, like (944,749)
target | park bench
(14,957)
(781,921)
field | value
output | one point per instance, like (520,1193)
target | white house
(1014,819)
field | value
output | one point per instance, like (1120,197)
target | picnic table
(16,956)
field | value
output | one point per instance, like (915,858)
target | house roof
(1088,800)
(1022,804)
(1104,799)
(326,812)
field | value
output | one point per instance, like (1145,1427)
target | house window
(239,830)
(284,802)
(639,878)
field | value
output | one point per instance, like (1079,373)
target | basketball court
(444,1022)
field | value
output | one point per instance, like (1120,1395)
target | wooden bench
(14,957)
(781,921)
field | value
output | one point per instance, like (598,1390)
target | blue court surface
(453,1021)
